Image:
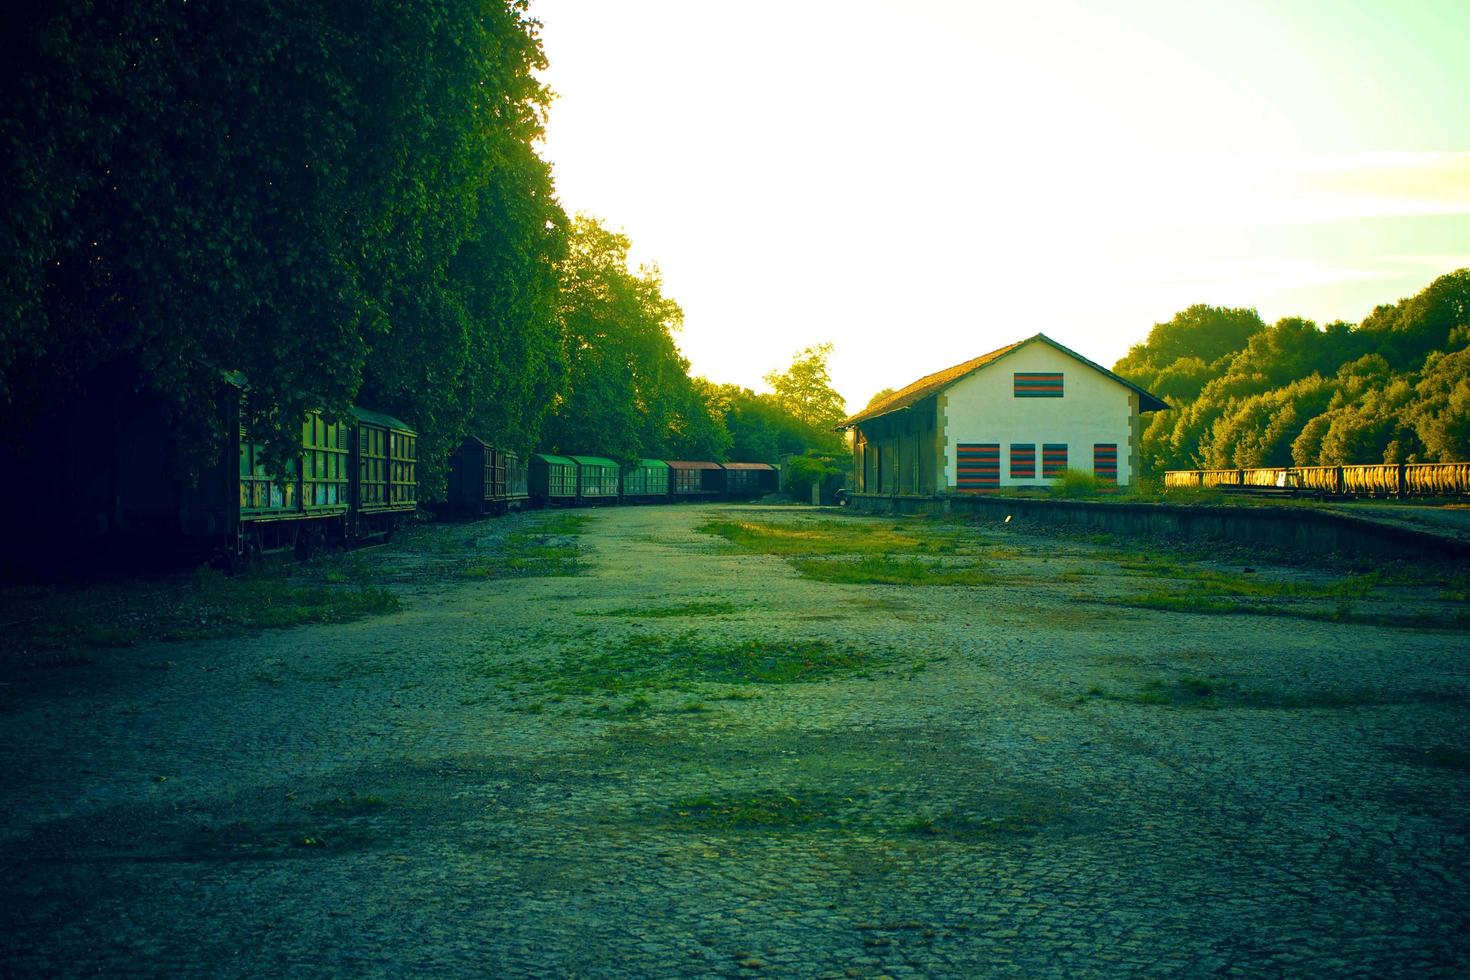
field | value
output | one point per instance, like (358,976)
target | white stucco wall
(983,408)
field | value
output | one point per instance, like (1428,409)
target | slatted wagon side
(517,480)
(748,481)
(696,480)
(646,481)
(597,480)
(553,481)
(385,472)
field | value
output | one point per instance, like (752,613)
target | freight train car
(646,481)
(484,480)
(696,480)
(597,481)
(553,480)
(749,481)
(1381,480)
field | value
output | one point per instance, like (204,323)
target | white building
(1014,417)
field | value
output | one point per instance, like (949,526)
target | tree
(626,391)
(880,395)
(804,393)
(1206,333)
(1441,411)
(805,389)
(277,190)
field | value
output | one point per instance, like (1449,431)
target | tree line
(342,203)
(1394,388)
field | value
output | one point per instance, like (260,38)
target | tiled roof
(926,386)
(939,380)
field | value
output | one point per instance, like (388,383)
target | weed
(817,538)
(687,609)
(766,809)
(1077,484)
(888,570)
(1214,692)
(650,662)
(976,826)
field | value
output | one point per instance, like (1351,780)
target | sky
(921,182)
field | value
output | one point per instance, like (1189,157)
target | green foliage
(1078,484)
(892,570)
(626,390)
(342,202)
(880,395)
(801,473)
(805,389)
(645,662)
(1393,389)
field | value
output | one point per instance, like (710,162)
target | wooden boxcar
(517,481)
(748,481)
(553,480)
(478,479)
(303,508)
(386,471)
(597,480)
(696,480)
(646,481)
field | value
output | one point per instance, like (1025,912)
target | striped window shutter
(1023,461)
(978,465)
(1053,459)
(1105,461)
(1035,385)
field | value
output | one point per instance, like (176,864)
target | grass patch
(890,570)
(1212,692)
(869,553)
(854,537)
(763,810)
(686,609)
(1211,592)
(1005,814)
(653,662)
(953,825)
(547,549)
(1203,604)
(200,606)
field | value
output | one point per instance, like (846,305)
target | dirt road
(702,759)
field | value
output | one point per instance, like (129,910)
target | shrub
(1077,483)
(803,472)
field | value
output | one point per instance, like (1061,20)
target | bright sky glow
(922,181)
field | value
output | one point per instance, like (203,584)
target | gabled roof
(684,464)
(934,383)
(381,418)
(592,461)
(748,466)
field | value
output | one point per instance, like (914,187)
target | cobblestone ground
(373,799)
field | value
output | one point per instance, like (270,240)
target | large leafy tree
(1391,389)
(805,390)
(277,189)
(626,390)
